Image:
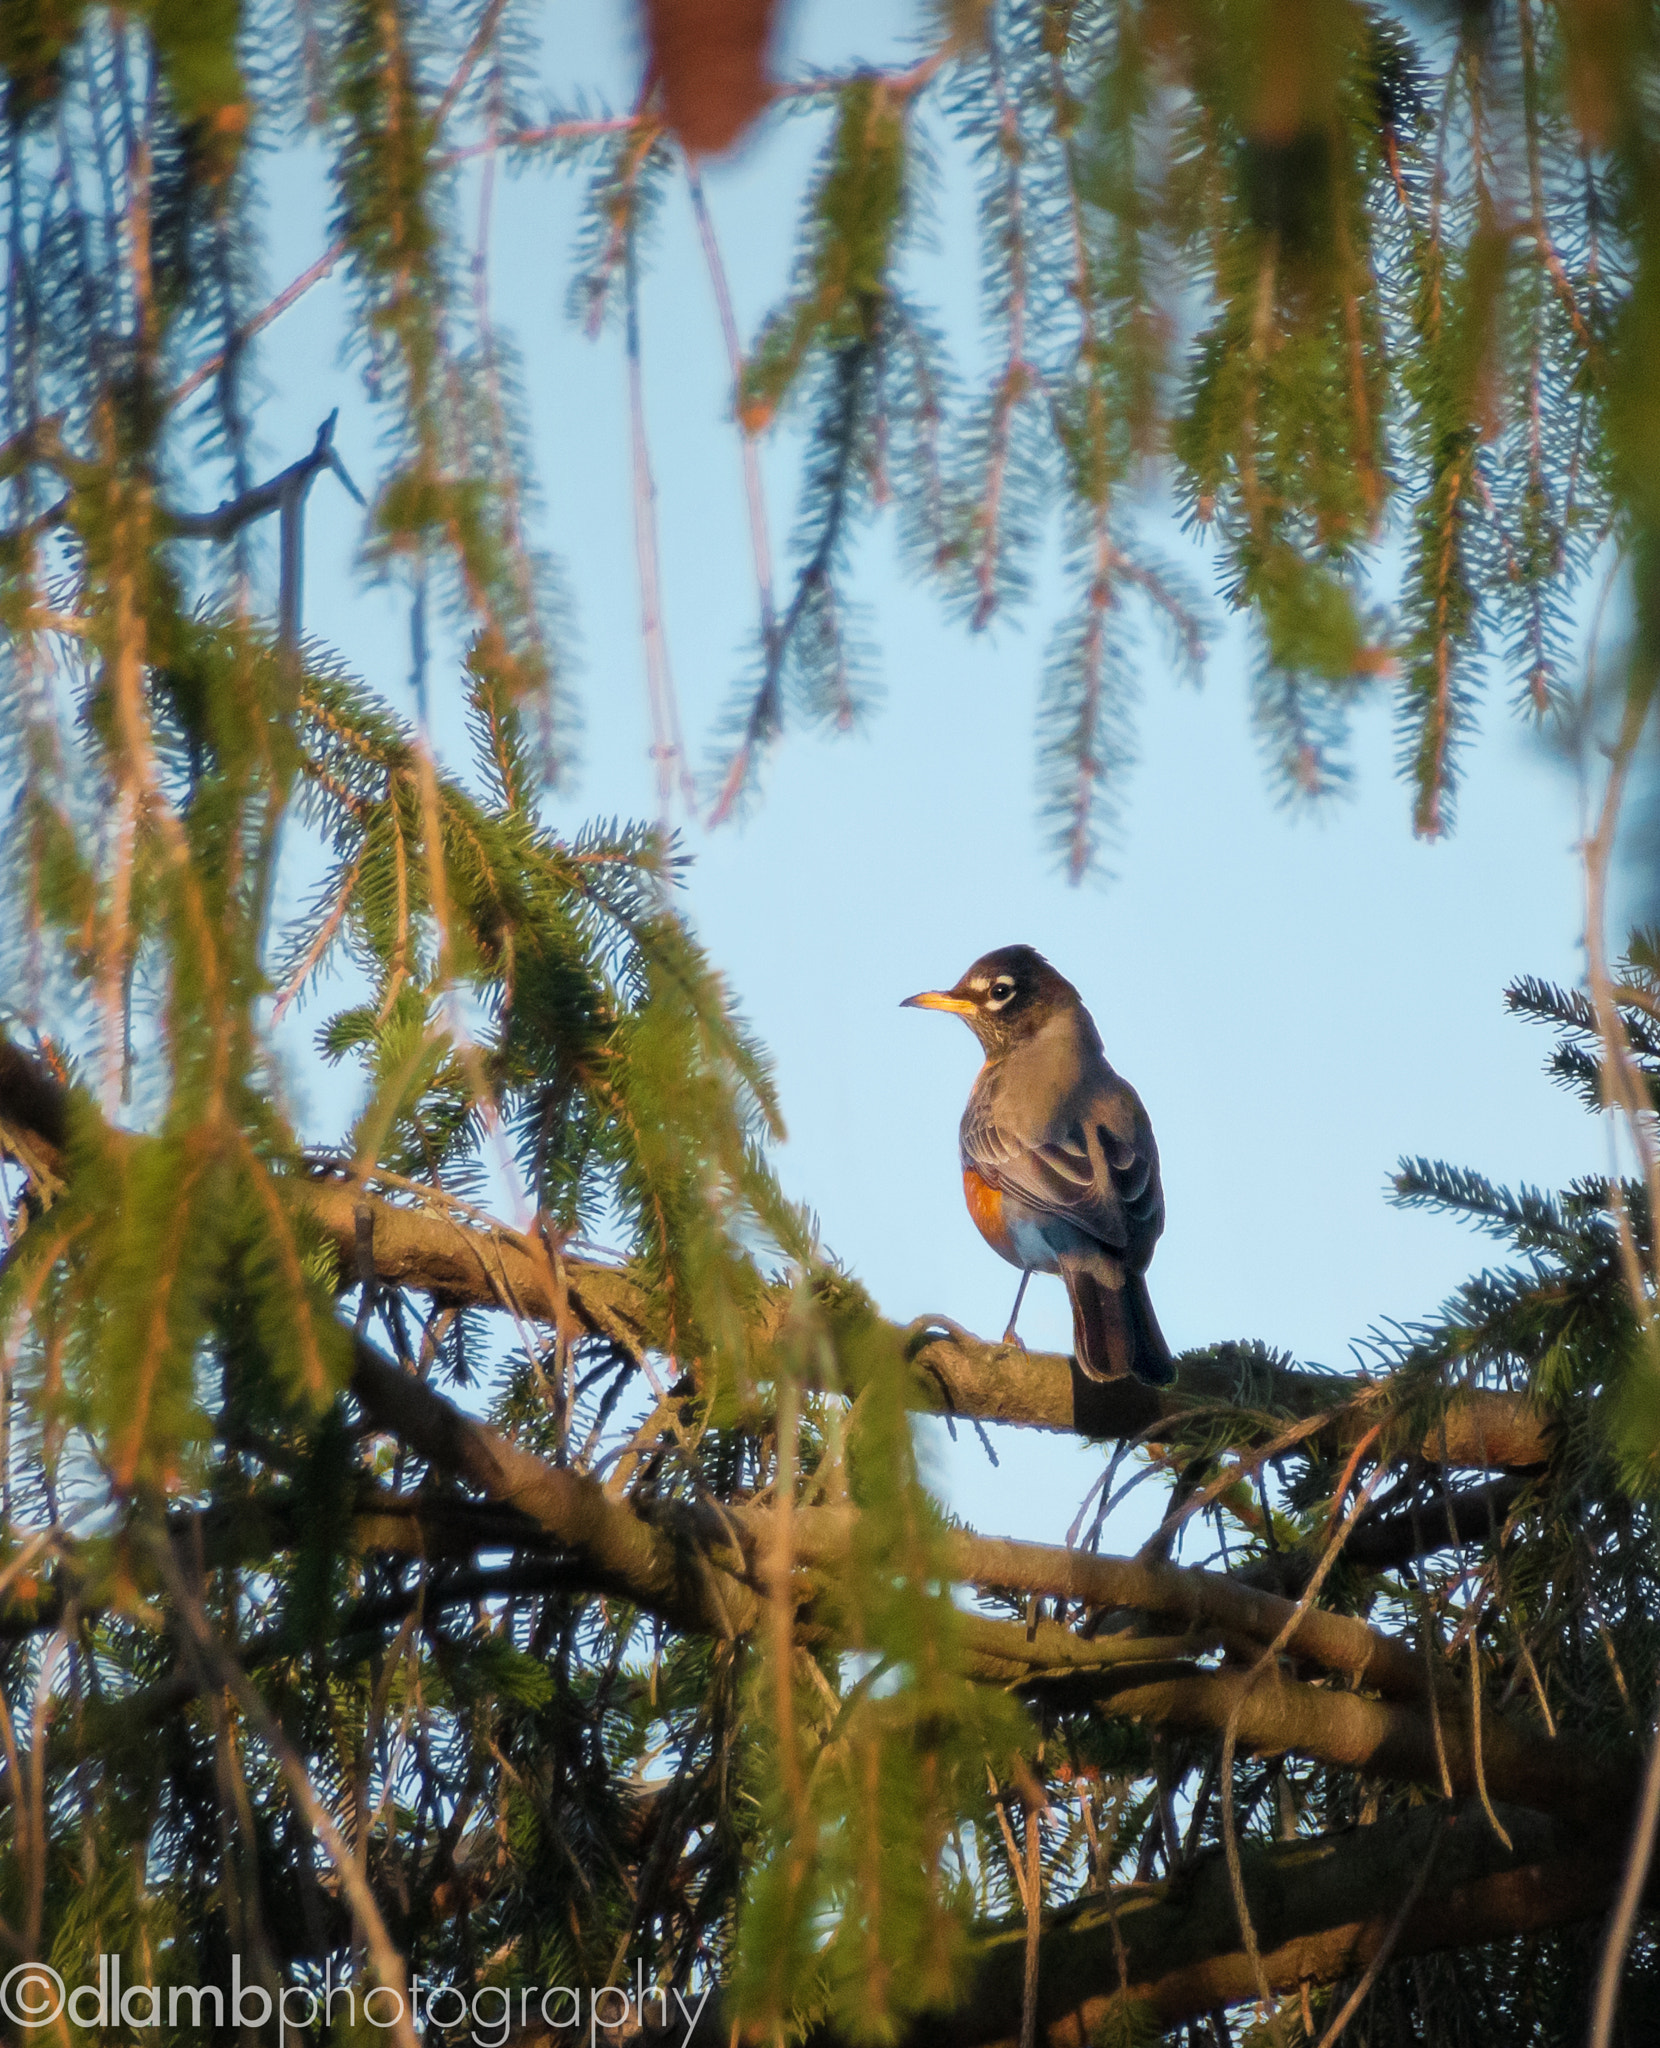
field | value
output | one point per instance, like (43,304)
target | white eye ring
(1001,991)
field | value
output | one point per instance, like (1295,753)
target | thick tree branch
(1321,1905)
(653,1564)
(439,1252)
(1285,1716)
(1204,1603)
(691,1566)
(668,1565)
(436,1251)
(252,1530)
(954,1374)
(1384,1542)
(697,1567)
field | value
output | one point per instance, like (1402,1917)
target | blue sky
(1299,1001)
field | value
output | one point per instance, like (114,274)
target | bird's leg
(1009,1336)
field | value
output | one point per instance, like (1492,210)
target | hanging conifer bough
(399,1592)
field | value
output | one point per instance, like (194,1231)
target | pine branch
(1384,1542)
(682,1563)
(438,1249)
(503,1659)
(707,1570)
(671,1568)
(1532,1220)
(1329,1900)
(1141,1960)
(1570,1009)
(808,637)
(955,1374)
(1336,1729)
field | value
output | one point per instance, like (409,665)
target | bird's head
(1004,997)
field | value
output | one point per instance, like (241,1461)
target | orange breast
(985,1205)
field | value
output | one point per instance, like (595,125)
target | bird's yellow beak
(939,999)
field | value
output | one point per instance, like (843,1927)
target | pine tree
(395,1596)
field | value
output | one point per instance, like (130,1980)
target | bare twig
(285,494)
(667,747)
(1034,1929)
(322,940)
(477,44)
(1385,1949)
(1230,1476)
(1644,1827)
(1230,1840)
(290,295)
(754,488)
(1016,379)
(1016,1864)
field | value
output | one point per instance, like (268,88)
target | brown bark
(1280,1716)
(695,1567)
(437,1253)
(1339,1643)
(252,1530)
(1321,1906)
(684,1565)
(1383,1542)
(667,1565)
(699,1569)
(1484,1429)
(961,1376)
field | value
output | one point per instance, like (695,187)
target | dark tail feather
(1152,1361)
(1114,1329)
(1102,1340)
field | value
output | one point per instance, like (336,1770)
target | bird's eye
(1001,991)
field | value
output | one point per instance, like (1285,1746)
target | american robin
(1059,1165)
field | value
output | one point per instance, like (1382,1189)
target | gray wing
(1099,1172)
